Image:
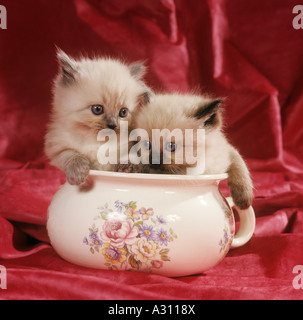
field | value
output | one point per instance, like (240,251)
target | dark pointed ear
(208,113)
(68,67)
(145,96)
(137,70)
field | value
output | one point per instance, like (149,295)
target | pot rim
(155,176)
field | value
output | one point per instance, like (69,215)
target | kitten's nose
(111,122)
(112,126)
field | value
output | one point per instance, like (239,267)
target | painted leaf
(138,224)
(133,262)
(164,251)
(165,258)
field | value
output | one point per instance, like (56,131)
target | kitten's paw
(242,196)
(77,170)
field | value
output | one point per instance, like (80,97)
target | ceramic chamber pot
(172,225)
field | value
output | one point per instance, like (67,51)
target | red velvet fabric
(247,51)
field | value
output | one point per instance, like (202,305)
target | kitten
(188,111)
(90,95)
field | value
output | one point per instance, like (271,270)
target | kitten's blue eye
(97,109)
(147,145)
(171,147)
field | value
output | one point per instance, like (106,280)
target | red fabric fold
(246,52)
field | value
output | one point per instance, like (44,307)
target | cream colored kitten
(188,111)
(89,95)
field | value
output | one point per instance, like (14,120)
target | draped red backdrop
(247,51)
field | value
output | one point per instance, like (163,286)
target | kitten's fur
(192,112)
(71,140)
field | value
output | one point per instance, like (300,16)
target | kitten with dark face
(186,111)
(90,95)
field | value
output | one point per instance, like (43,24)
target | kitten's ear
(137,70)
(209,113)
(145,96)
(68,67)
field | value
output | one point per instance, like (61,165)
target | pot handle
(247,225)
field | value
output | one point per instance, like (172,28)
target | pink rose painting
(130,238)
(119,233)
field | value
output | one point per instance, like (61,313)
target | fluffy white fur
(71,139)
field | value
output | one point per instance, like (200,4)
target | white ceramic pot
(171,225)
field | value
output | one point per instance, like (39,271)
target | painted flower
(147,232)
(224,241)
(93,235)
(132,214)
(119,205)
(162,237)
(119,232)
(113,254)
(144,250)
(133,239)
(146,213)
(97,242)
(226,237)
(161,219)
(93,238)
(131,204)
